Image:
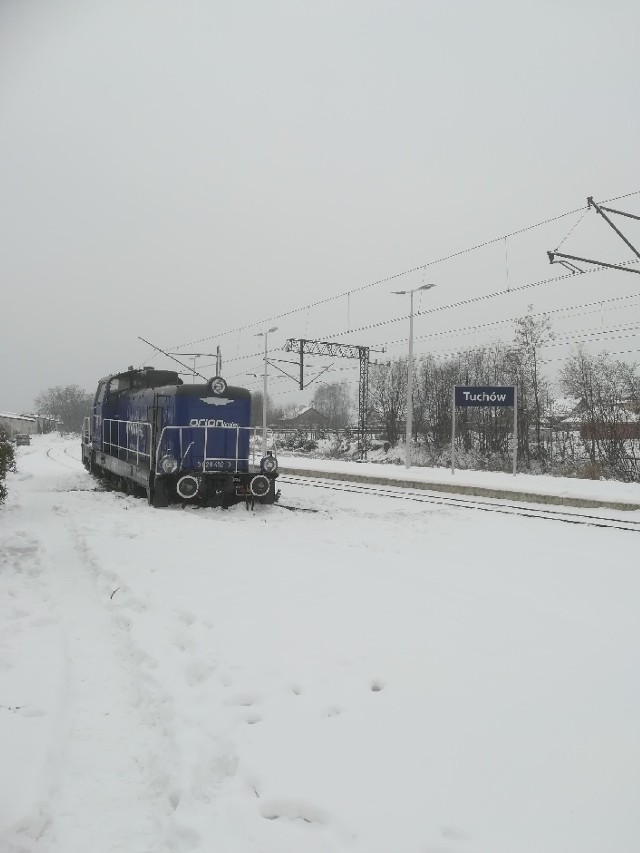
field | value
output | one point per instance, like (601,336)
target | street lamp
(264,395)
(407,459)
(194,356)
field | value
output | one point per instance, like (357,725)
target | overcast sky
(178,170)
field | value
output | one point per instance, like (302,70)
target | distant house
(307,418)
(48,424)
(27,424)
(13,423)
(565,415)
(618,422)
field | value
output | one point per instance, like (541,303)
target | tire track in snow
(179,688)
(106,700)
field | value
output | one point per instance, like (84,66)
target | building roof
(306,416)
(16,417)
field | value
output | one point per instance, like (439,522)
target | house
(14,424)
(307,418)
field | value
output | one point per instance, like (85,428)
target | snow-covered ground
(368,678)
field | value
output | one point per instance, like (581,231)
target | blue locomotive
(179,443)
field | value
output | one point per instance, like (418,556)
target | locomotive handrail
(205,430)
(136,427)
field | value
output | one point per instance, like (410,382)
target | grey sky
(180,169)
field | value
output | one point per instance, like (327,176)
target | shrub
(7,461)
(591,471)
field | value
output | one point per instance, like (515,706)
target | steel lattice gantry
(567,260)
(335,350)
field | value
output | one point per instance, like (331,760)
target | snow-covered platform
(526,488)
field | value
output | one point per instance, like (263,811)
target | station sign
(503,396)
(484,395)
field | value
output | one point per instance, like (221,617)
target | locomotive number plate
(218,465)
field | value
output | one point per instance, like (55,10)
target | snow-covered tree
(67,403)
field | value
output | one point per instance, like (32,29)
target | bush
(7,461)
(591,471)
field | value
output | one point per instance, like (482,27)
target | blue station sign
(484,395)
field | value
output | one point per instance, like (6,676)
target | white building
(14,424)
(29,424)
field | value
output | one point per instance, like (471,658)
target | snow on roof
(16,417)
(564,406)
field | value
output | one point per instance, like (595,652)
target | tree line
(606,393)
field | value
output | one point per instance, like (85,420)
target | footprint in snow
(242,700)
(292,810)
(198,672)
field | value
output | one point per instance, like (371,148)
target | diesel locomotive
(147,430)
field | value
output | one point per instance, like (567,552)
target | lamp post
(264,395)
(194,356)
(409,418)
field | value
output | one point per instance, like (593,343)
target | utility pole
(409,417)
(265,335)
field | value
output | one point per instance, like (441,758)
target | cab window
(100,393)
(120,383)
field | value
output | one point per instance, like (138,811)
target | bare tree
(432,400)
(531,336)
(335,401)
(387,396)
(67,403)
(609,395)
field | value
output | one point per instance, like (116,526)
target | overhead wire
(437,309)
(579,336)
(600,303)
(571,230)
(473,299)
(480,326)
(394,276)
(591,333)
(450,306)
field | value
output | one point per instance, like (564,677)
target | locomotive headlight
(268,464)
(169,464)
(217,385)
(259,486)
(187,487)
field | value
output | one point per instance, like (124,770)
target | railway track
(394,493)
(563,516)
(55,457)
